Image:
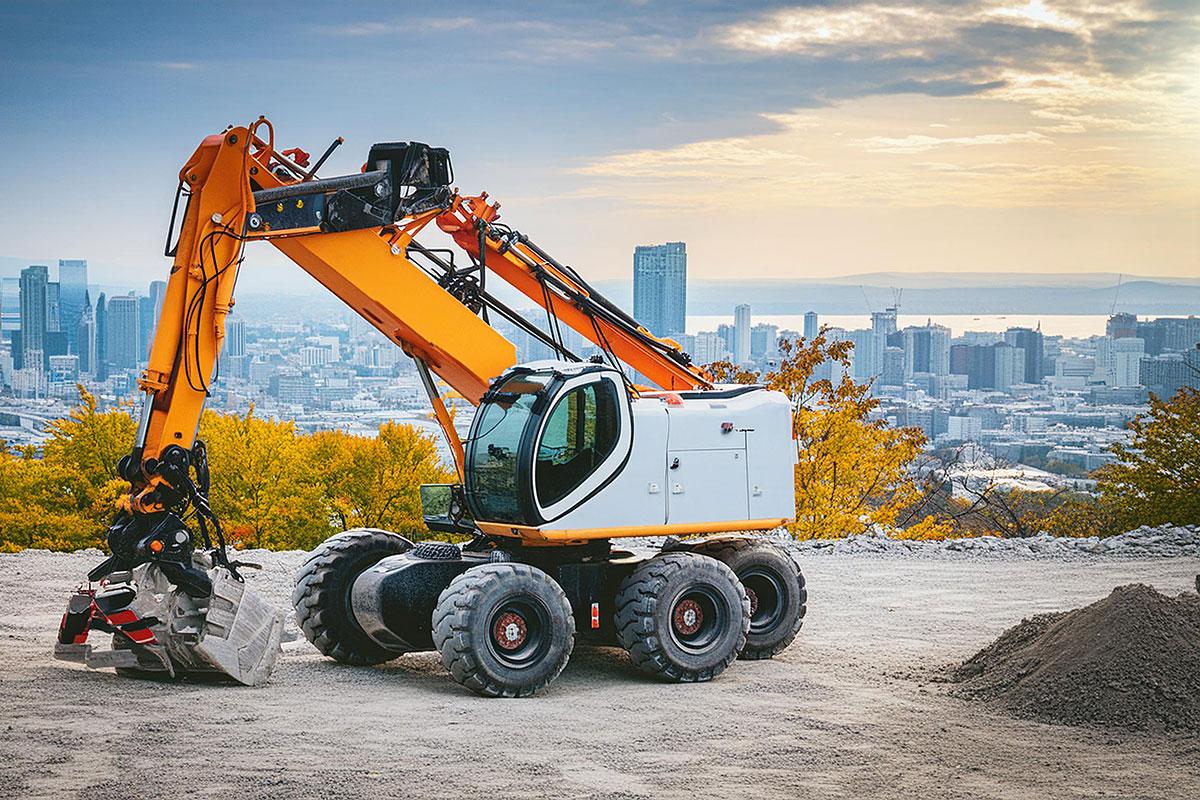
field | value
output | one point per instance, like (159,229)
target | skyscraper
(10,307)
(660,288)
(868,353)
(741,334)
(811,328)
(1121,326)
(764,339)
(100,368)
(158,293)
(85,336)
(926,349)
(1033,344)
(124,335)
(145,326)
(884,322)
(72,293)
(34,282)
(235,336)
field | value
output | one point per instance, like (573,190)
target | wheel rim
(518,632)
(697,619)
(766,593)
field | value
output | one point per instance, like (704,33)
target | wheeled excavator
(564,457)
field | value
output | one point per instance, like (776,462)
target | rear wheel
(322,594)
(775,586)
(682,617)
(504,629)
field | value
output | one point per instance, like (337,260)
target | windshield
(492,472)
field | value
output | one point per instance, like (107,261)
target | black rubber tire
(465,621)
(648,600)
(764,568)
(322,594)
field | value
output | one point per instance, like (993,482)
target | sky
(778,140)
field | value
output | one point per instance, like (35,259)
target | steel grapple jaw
(172,613)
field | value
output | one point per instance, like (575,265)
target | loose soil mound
(1131,660)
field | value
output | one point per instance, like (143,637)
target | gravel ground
(850,711)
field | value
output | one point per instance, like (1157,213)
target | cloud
(176,66)
(379,28)
(692,160)
(920,143)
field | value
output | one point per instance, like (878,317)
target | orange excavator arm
(356,236)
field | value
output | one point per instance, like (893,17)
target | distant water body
(1074,326)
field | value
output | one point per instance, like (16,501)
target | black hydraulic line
(312,173)
(500,308)
(483,267)
(606,310)
(320,185)
(575,276)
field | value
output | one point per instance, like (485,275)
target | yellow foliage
(271,486)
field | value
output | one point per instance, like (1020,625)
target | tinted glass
(579,434)
(493,467)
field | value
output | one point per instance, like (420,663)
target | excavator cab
(544,439)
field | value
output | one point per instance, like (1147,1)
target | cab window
(493,473)
(580,434)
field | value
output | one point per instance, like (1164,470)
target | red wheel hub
(753,600)
(510,631)
(687,617)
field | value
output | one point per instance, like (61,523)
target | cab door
(582,443)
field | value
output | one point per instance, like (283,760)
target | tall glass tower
(72,291)
(660,288)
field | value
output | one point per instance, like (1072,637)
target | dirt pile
(1131,660)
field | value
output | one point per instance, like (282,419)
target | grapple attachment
(160,629)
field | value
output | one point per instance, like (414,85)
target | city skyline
(779,140)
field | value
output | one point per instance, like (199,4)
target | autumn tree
(853,470)
(1156,479)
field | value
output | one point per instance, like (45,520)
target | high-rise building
(884,322)
(811,328)
(926,349)
(1167,374)
(764,339)
(660,288)
(1032,342)
(893,366)
(124,332)
(100,367)
(145,327)
(710,347)
(868,353)
(34,307)
(741,333)
(10,307)
(1010,366)
(158,294)
(72,283)
(1121,326)
(1119,360)
(53,307)
(235,336)
(85,336)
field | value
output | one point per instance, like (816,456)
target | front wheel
(504,629)
(322,594)
(683,617)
